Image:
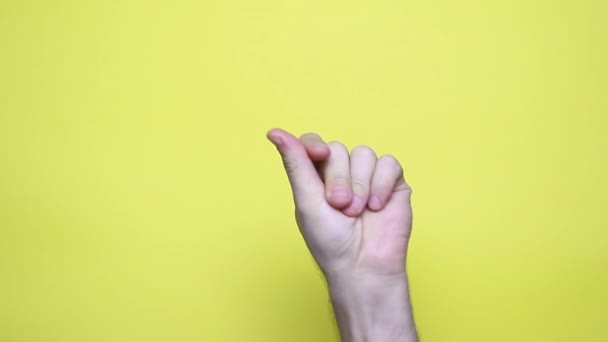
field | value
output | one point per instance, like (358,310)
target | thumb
(305,182)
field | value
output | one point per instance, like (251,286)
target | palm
(375,240)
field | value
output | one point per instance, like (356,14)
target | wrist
(372,307)
(365,278)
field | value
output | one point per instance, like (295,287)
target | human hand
(353,209)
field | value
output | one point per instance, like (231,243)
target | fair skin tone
(353,210)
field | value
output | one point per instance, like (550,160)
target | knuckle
(336,145)
(382,187)
(392,162)
(405,187)
(340,178)
(408,191)
(291,166)
(363,150)
(389,158)
(307,135)
(310,137)
(360,187)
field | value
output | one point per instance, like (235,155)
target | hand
(355,215)
(353,210)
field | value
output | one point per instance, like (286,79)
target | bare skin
(354,211)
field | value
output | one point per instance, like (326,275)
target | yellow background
(140,201)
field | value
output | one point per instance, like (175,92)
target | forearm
(372,308)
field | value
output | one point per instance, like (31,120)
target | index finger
(316,148)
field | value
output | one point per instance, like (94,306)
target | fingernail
(340,194)
(277,140)
(375,203)
(355,206)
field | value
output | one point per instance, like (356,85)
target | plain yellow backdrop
(140,201)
